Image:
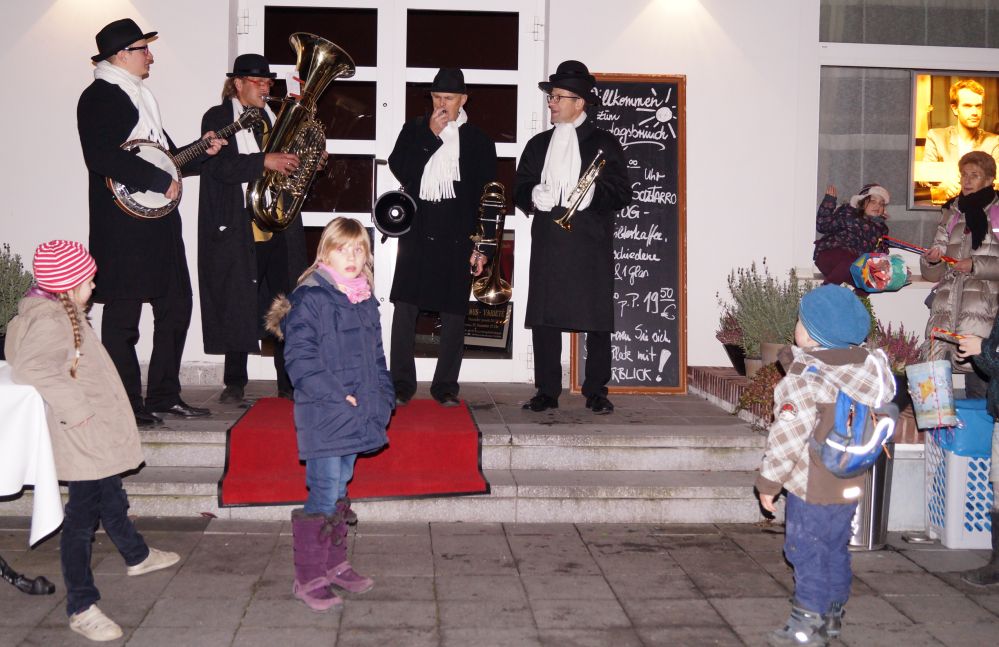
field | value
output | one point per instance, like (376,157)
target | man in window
(240,267)
(949,144)
(443,162)
(572,272)
(139,260)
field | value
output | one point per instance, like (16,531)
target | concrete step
(673,496)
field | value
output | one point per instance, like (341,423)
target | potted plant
(902,348)
(14,282)
(729,333)
(758,397)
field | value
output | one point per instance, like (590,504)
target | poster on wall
(649,343)
(953,113)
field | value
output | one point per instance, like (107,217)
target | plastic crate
(958,497)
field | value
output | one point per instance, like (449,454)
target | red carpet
(432,451)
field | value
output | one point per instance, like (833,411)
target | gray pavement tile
(614,637)
(288,636)
(883,561)
(395,564)
(756,635)
(985,600)
(657,585)
(480,587)
(474,564)
(288,612)
(540,529)
(869,610)
(913,636)
(646,612)
(567,587)
(579,614)
(442,529)
(376,528)
(187,612)
(725,583)
(631,546)
(752,611)
(387,614)
(194,585)
(382,637)
(388,587)
(906,584)
(637,562)
(943,561)
(494,546)
(964,634)
(232,554)
(679,635)
(241,527)
(170,637)
(943,609)
(11,636)
(497,637)
(64,637)
(415,543)
(485,613)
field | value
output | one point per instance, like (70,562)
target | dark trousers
(403,362)
(816,542)
(120,334)
(91,502)
(835,265)
(235,369)
(548,362)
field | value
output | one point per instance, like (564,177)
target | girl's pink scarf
(357,289)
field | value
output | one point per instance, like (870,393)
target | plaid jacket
(804,405)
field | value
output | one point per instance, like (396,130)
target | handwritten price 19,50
(661,302)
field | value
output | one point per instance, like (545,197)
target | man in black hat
(572,272)
(240,267)
(443,162)
(138,260)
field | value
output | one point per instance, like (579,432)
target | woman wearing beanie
(849,230)
(964,299)
(51,346)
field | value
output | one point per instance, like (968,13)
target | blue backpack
(857,438)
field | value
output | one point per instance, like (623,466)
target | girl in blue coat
(343,400)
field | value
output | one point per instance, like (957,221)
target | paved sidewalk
(489,585)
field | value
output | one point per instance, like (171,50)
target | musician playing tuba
(241,268)
(572,272)
(443,162)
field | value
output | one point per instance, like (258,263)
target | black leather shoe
(184,410)
(448,400)
(146,420)
(231,395)
(599,404)
(401,400)
(541,402)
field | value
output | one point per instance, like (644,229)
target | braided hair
(73,312)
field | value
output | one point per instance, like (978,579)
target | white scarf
(149,126)
(562,161)
(442,169)
(246,142)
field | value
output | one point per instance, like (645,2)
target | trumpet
(586,180)
(490,288)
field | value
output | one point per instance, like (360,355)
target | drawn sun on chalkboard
(663,115)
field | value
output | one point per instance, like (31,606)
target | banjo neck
(200,146)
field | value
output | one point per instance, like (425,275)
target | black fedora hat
(449,79)
(574,77)
(251,65)
(116,36)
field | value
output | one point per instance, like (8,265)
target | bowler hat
(574,77)
(251,65)
(449,79)
(116,35)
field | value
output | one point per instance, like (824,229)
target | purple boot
(338,570)
(311,539)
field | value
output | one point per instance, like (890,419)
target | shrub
(14,282)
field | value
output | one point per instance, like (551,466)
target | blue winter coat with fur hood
(333,348)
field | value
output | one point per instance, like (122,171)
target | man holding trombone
(574,179)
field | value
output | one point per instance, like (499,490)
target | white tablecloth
(26,453)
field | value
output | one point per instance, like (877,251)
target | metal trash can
(870,523)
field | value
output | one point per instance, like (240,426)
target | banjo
(150,204)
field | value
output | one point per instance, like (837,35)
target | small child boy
(826,358)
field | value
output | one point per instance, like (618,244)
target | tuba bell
(490,288)
(275,199)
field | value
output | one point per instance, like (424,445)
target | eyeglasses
(259,80)
(555,98)
(974,177)
(137,48)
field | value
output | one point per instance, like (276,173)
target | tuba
(490,288)
(275,199)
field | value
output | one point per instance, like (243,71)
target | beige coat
(963,303)
(90,419)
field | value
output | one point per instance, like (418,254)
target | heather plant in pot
(729,333)
(902,348)
(14,282)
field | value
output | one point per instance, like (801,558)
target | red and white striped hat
(61,265)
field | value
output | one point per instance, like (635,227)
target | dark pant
(835,265)
(120,334)
(103,500)
(449,355)
(548,362)
(816,542)
(236,375)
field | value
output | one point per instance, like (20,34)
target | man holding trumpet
(572,271)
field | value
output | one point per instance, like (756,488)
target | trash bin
(870,523)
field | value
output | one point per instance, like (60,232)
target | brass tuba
(490,288)
(275,199)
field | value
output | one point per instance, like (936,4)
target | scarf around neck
(442,169)
(562,161)
(357,289)
(150,125)
(973,207)
(246,143)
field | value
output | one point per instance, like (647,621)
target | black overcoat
(431,268)
(135,257)
(227,257)
(572,273)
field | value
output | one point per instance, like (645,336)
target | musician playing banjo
(140,260)
(572,272)
(240,267)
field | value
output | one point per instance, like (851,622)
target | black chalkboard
(649,344)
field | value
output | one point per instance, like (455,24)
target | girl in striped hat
(51,346)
